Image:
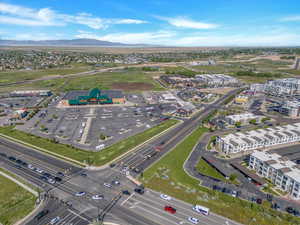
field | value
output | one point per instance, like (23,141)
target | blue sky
(162,22)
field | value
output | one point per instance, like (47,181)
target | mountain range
(73,42)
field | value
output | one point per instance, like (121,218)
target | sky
(158,22)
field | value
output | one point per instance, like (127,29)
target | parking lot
(93,128)
(20,102)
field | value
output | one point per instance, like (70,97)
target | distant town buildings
(282,172)
(297,64)
(203,63)
(242,118)
(260,138)
(38,93)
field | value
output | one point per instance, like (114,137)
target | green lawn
(15,202)
(92,158)
(206,169)
(167,176)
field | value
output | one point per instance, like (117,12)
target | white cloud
(182,22)
(291,19)
(18,15)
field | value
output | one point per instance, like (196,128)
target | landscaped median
(15,201)
(80,156)
(168,176)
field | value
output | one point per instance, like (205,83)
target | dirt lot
(132,86)
(221,91)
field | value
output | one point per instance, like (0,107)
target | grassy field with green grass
(15,202)
(92,158)
(167,176)
(206,169)
(130,80)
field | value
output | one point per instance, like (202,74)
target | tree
(238,124)
(265,119)
(253,121)
(102,137)
(232,177)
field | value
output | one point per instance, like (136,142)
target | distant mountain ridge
(73,42)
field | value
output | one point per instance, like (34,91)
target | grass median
(168,176)
(87,157)
(15,202)
(206,169)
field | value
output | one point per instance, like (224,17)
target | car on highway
(55,220)
(3,155)
(41,214)
(193,220)
(58,179)
(107,185)
(170,209)
(139,190)
(47,174)
(60,174)
(126,192)
(51,181)
(11,158)
(83,174)
(201,209)
(31,167)
(97,197)
(115,182)
(165,197)
(80,193)
(39,170)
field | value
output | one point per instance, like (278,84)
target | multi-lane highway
(60,197)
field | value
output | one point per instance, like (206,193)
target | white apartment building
(243,118)
(291,109)
(260,138)
(286,86)
(217,80)
(257,88)
(282,172)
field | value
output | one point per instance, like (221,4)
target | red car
(170,209)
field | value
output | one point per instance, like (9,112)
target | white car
(97,197)
(79,194)
(165,197)
(39,170)
(31,167)
(107,185)
(234,194)
(51,181)
(55,220)
(193,220)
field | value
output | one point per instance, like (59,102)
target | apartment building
(257,88)
(291,109)
(217,80)
(286,86)
(282,172)
(260,138)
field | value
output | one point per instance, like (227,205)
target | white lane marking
(78,215)
(127,199)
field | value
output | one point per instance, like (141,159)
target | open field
(167,176)
(15,202)
(91,158)
(127,80)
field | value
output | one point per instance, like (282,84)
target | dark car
(83,174)
(139,190)
(19,161)
(112,165)
(60,174)
(126,192)
(3,154)
(57,179)
(259,201)
(41,214)
(290,210)
(44,178)
(47,175)
(11,158)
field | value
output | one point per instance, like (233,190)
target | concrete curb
(138,146)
